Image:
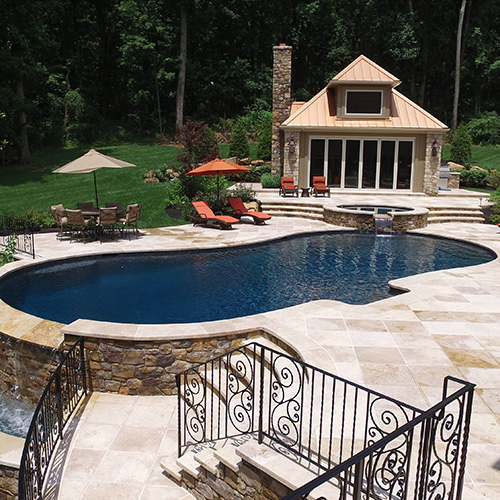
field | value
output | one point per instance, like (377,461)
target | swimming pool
(196,286)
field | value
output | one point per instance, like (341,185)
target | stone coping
(11,449)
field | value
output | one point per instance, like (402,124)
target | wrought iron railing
(370,445)
(66,387)
(20,229)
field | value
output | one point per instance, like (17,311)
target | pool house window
(363,102)
(362,163)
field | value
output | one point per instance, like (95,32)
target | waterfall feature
(383,223)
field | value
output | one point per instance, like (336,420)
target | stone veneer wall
(250,483)
(291,155)
(454,180)
(366,222)
(149,367)
(25,368)
(282,88)
(431,165)
(9,478)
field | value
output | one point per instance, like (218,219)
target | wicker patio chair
(78,225)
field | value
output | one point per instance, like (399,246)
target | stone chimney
(282,83)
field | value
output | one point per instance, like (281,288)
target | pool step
(454,214)
(293,207)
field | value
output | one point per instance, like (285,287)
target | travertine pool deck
(447,324)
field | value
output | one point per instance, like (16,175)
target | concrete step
(469,220)
(455,209)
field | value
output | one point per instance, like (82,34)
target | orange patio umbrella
(218,167)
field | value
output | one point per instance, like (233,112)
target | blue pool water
(194,286)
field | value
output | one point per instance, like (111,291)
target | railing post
(358,480)
(465,433)
(59,402)
(38,462)
(261,395)
(179,436)
(82,364)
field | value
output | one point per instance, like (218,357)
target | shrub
(473,178)
(270,181)
(495,213)
(495,196)
(485,130)
(7,255)
(198,144)
(493,179)
(264,148)
(246,193)
(256,118)
(253,175)
(461,146)
(239,146)
(176,198)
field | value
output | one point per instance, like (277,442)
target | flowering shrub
(7,255)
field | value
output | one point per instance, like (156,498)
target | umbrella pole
(95,187)
(218,193)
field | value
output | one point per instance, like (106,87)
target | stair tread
(273,463)
(188,463)
(169,465)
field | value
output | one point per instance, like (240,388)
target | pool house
(359,132)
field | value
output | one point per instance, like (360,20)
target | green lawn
(37,188)
(488,158)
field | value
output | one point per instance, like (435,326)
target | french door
(362,163)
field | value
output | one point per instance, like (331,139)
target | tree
(461,146)
(264,148)
(198,145)
(181,79)
(239,146)
(458,62)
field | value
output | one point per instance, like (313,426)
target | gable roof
(364,70)
(320,112)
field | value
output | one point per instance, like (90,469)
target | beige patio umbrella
(90,162)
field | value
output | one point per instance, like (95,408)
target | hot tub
(364,217)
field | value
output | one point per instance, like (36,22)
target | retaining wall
(148,367)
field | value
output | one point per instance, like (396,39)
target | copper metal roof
(364,70)
(321,112)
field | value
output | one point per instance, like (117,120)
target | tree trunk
(157,91)
(181,82)
(458,60)
(25,157)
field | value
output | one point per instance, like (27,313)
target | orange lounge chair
(239,209)
(320,187)
(205,215)
(288,186)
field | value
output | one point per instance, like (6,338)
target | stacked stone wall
(9,478)
(250,483)
(25,368)
(149,367)
(366,222)
(432,163)
(282,88)
(454,180)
